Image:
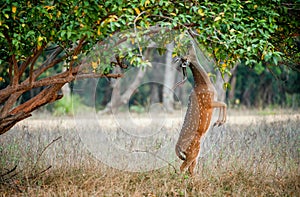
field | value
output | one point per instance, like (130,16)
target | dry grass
(258,157)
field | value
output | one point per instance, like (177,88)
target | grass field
(254,154)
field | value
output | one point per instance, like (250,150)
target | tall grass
(256,158)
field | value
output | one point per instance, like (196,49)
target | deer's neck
(201,78)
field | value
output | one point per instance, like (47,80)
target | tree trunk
(154,95)
(232,90)
(118,99)
(219,84)
(66,90)
(169,81)
(233,86)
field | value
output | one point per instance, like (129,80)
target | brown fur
(198,116)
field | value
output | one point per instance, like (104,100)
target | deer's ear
(176,60)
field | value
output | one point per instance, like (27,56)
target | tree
(169,79)
(57,31)
(118,98)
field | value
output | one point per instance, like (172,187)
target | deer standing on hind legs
(199,113)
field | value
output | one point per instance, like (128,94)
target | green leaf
(69,33)
(62,33)
(275,60)
(226,86)
(259,68)
(217,18)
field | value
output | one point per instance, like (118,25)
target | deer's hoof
(218,123)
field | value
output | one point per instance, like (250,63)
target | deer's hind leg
(222,114)
(191,157)
(192,167)
(189,164)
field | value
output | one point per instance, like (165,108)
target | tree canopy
(39,38)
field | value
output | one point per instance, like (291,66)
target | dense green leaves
(255,31)
(45,44)
(239,30)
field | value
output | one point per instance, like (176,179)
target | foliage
(265,86)
(137,109)
(231,30)
(68,105)
(69,35)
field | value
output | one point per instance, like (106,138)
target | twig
(135,31)
(43,171)
(9,171)
(3,180)
(171,19)
(34,175)
(44,149)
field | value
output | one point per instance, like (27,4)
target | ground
(257,153)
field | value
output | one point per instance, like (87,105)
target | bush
(68,105)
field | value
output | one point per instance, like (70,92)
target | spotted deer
(202,101)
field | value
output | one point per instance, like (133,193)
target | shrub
(68,105)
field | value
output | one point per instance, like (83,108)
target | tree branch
(16,71)
(59,78)
(136,34)
(9,121)
(30,60)
(65,78)
(75,53)
(45,67)
(10,70)
(54,54)
(46,96)
(36,56)
(12,99)
(9,61)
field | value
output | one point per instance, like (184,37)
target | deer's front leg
(222,114)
